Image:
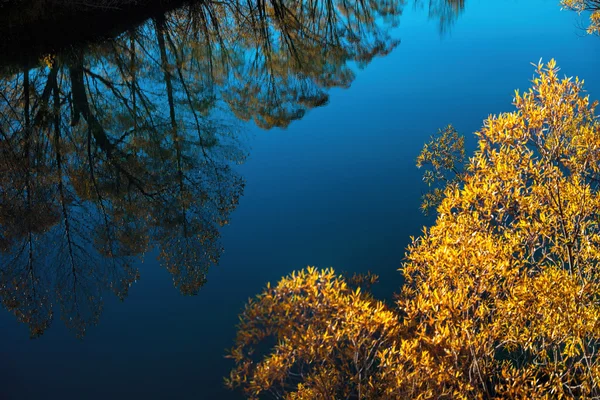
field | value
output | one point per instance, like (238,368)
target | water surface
(302,158)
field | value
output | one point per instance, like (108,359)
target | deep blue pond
(337,187)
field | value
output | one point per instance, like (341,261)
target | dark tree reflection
(128,145)
(444,11)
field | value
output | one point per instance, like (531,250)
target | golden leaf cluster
(332,341)
(502,293)
(442,157)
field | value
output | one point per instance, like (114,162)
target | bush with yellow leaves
(331,340)
(502,294)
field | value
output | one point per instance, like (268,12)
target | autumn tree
(501,293)
(332,341)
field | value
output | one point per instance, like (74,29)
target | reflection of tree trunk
(61,188)
(159,23)
(81,106)
(188,97)
(27,140)
(26,111)
(99,195)
(27,157)
(133,72)
(45,97)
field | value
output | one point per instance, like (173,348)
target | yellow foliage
(503,289)
(332,341)
(502,294)
(442,157)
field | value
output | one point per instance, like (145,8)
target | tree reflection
(120,147)
(444,11)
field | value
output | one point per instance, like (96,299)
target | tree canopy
(502,293)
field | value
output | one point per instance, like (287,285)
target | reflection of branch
(136,91)
(111,86)
(9,104)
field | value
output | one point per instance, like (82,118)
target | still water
(154,180)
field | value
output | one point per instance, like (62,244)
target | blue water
(337,188)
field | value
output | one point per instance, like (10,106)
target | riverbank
(48,26)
